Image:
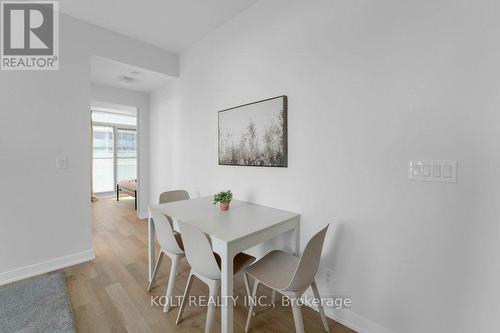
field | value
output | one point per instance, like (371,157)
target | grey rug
(38,305)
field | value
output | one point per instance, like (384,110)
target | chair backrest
(164,232)
(171,196)
(308,263)
(199,251)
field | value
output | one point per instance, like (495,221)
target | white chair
(169,240)
(205,265)
(290,276)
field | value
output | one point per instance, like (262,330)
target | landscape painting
(254,134)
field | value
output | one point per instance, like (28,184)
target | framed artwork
(254,134)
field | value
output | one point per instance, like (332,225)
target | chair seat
(240,262)
(275,269)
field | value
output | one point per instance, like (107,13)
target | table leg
(227,291)
(151,248)
(295,252)
(296,240)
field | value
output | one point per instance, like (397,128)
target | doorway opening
(114,153)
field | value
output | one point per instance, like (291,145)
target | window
(103,159)
(114,150)
(114,118)
(126,154)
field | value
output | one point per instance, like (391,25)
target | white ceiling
(173,25)
(110,72)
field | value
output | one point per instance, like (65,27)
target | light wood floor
(109,294)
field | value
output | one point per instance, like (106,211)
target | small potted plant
(224,198)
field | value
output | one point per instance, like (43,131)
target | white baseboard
(352,320)
(45,266)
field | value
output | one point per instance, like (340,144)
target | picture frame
(254,134)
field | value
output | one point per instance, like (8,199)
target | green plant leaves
(224,197)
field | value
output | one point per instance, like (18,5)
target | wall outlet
(328,275)
(325,275)
(433,171)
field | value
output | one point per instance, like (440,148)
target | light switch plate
(433,171)
(61,162)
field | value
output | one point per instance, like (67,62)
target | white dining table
(243,226)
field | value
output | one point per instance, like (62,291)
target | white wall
(44,212)
(371,85)
(140,100)
(111,45)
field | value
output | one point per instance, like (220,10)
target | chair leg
(315,290)
(247,288)
(155,271)
(214,290)
(171,282)
(247,285)
(273,298)
(186,295)
(297,317)
(252,305)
